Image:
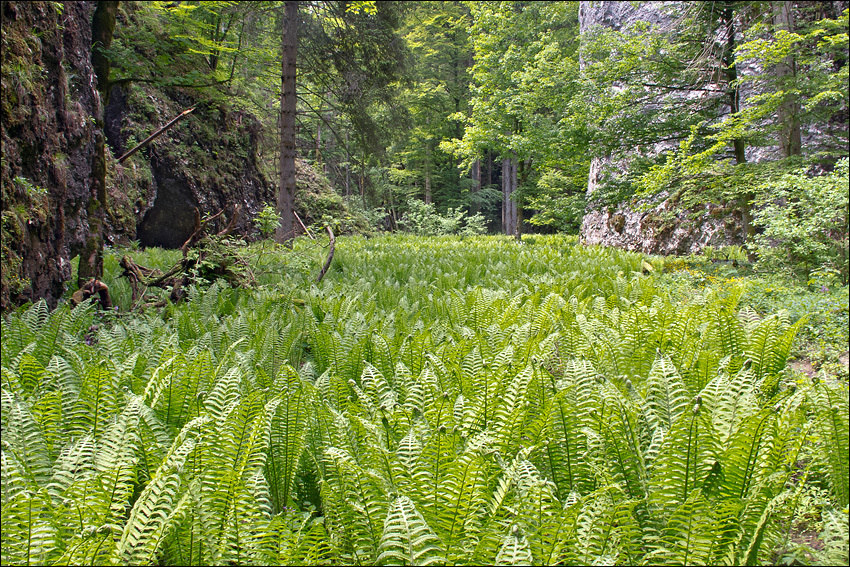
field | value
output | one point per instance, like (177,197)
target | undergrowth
(452,400)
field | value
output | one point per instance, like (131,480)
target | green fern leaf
(514,550)
(407,539)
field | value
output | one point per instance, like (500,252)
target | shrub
(267,221)
(805,222)
(424,220)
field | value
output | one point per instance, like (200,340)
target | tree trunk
(91,259)
(347,168)
(475,175)
(523,169)
(427,168)
(427,181)
(730,69)
(790,138)
(288,99)
(509,185)
(319,145)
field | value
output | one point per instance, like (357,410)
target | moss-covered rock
(47,111)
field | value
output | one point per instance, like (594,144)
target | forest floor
(521,387)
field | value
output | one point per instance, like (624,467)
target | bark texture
(288,100)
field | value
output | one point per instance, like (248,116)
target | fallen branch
(156,134)
(199,229)
(233,220)
(330,255)
(306,230)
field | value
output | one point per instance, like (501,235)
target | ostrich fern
(578,414)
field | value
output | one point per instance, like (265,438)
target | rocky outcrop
(48,104)
(623,225)
(663,229)
(207,161)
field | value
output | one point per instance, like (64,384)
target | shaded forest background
(663,127)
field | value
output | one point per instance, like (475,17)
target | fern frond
(287,437)
(407,539)
(562,457)
(461,502)
(831,404)
(835,537)
(23,438)
(514,549)
(687,536)
(158,505)
(666,395)
(29,534)
(685,459)
(358,507)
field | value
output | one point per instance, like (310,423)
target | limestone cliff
(665,228)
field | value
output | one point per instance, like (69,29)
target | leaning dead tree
(156,134)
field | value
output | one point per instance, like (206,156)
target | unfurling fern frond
(514,549)
(835,537)
(407,538)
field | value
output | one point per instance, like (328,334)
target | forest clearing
(450,400)
(346,282)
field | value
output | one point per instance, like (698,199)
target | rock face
(618,15)
(48,102)
(660,230)
(663,230)
(625,227)
(206,161)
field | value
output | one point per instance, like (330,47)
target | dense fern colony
(439,401)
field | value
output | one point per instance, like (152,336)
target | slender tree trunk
(347,168)
(523,169)
(790,137)
(91,258)
(319,144)
(730,69)
(288,99)
(363,181)
(509,185)
(427,176)
(427,167)
(475,175)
